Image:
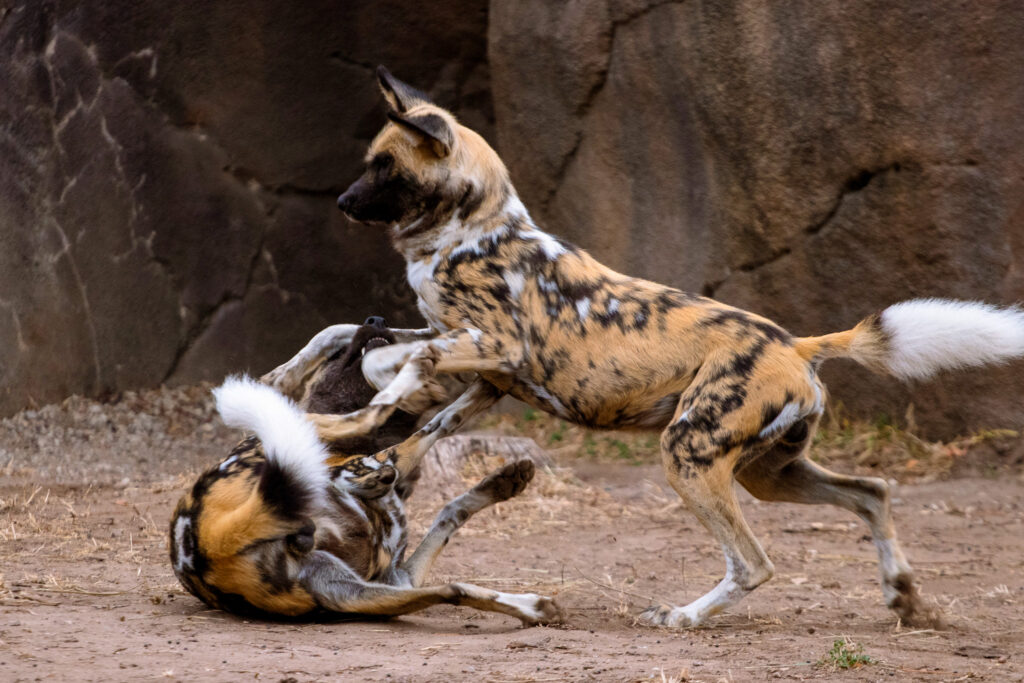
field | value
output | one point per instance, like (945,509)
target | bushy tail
(918,338)
(289,439)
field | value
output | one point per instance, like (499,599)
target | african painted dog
(294,521)
(736,396)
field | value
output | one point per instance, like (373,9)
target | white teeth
(362,352)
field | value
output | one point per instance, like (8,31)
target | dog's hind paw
(665,616)
(544,610)
(507,482)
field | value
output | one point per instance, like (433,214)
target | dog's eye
(382,163)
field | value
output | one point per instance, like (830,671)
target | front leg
(413,390)
(336,587)
(506,483)
(407,455)
(291,377)
(465,350)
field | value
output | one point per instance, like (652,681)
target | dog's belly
(636,409)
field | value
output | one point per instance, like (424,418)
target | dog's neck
(480,215)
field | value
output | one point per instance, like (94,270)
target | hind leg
(710,496)
(506,483)
(785,474)
(729,417)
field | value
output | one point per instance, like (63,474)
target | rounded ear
(400,97)
(430,129)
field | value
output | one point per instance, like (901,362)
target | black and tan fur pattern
(736,396)
(265,533)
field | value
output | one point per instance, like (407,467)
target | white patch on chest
(420,273)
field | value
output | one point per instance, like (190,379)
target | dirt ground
(87,593)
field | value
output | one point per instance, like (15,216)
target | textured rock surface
(168,170)
(168,174)
(811,161)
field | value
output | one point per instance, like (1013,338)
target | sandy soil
(86,591)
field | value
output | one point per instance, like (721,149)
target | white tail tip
(288,437)
(928,335)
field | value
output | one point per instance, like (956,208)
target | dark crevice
(857,182)
(246,176)
(338,56)
(588,101)
(203,324)
(854,184)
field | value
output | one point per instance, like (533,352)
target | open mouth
(374,343)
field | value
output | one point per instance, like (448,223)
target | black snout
(375,320)
(378,198)
(345,201)
(350,197)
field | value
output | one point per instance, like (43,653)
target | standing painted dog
(736,396)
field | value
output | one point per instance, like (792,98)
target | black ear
(401,97)
(430,128)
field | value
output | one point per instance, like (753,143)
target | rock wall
(812,161)
(168,170)
(168,175)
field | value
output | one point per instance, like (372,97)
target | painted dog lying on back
(294,520)
(736,396)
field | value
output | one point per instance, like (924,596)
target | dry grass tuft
(879,447)
(883,447)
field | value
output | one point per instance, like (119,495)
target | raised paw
(422,388)
(507,482)
(664,616)
(429,393)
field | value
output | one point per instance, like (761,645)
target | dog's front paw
(429,393)
(507,482)
(424,389)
